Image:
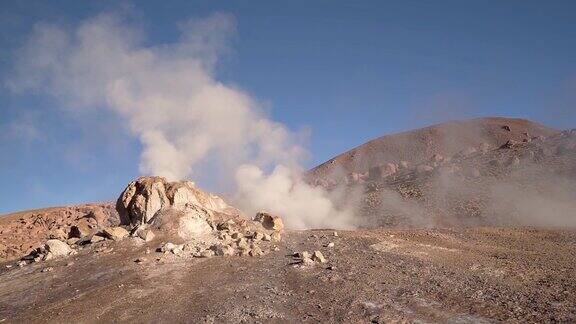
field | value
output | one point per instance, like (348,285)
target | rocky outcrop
(146,196)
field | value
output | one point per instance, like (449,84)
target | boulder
(318,257)
(57,248)
(269,222)
(115,233)
(79,231)
(145,197)
(146,234)
(58,234)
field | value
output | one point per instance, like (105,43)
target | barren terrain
(472,229)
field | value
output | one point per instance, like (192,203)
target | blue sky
(346,71)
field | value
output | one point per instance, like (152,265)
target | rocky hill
(420,145)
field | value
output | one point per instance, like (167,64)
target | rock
(243,244)
(506,128)
(48,256)
(257,236)
(256,251)
(97,238)
(330,245)
(335,234)
(58,248)
(171,247)
(318,257)
(72,241)
(222,249)
(226,226)
(437,158)
(207,254)
(115,233)
(509,144)
(269,222)
(58,234)
(267,237)
(146,234)
(301,255)
(145,197)
(48,269)
(21,263)
(79,231)
(141,260)
(276,236)
(237,235)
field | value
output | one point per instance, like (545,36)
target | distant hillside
(420,145)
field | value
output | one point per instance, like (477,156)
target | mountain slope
(419,145)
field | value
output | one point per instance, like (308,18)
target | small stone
(267,237)
(140,260)
(335,234)
(330,245)
(222,250)
(237,235)
(243,244)
(301,255)
(8,266)
(318,257)
(97,238)
(48,269)
(72,241)
(146,234)
(257,236)
(276,237)
(207,254)
(21,263)
(256,251)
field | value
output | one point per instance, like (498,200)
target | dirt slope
(419,145)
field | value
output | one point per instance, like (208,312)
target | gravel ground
(458,276)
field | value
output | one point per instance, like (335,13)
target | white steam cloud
(185,118)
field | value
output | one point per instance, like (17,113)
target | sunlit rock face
(145,197)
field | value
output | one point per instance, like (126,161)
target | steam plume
(172,102)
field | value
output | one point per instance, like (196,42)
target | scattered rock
(222,249)
(269,222)
(97,238)
(509,144)
(79,231)
(48,269)
(145,233)
(58,234)
(115,233)
(58,248)
(318,257)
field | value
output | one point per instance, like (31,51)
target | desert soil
(471,275)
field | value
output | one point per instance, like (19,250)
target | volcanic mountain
(417,146)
